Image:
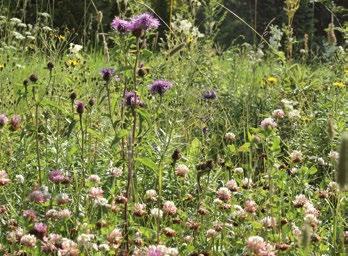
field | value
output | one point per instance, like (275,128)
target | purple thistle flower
(15,123)
(107,73)
(160,87)
(3,120)
(143,22)
(121,25)
(209,95)
(80,107)
(131,99)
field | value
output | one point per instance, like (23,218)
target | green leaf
(194,148)
(312,170)
(147,162)
(47,102)
(244,148)
(275,145)
(120,134)
(231,149)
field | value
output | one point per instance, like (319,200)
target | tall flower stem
(128,189)
(108,94)
(82,149)
(123,154)
(137,55)
(130,154)
(37,135)
(37,141)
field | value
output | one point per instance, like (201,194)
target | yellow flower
(339,84)
(61,38)
(272,80)
(72,62)
(2,67)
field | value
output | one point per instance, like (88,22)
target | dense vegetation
(153,139)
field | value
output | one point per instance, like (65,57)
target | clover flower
(268,123)
(232,185)
(40,195)
(250,206)
(57,176)
(4,179)
(28,240)
(278,113)
(151,195)
(115,236)
(15,123)
(169,208)
(181,170)
(224,194)
(3,120)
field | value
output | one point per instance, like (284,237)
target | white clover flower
(157,213)
(20,178)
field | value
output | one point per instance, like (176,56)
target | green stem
(82,150)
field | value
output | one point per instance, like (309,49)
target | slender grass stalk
(171,7)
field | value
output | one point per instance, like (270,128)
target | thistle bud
(80,107)
(73,96)
(33,78)
(91,102)
(176,155)
(50,66)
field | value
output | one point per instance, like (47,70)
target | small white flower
(20,178)
(294,114)
(75,48)
(157,213)
(15,20)
(239,170)
(18,36)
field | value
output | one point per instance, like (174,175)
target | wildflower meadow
(144,135)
